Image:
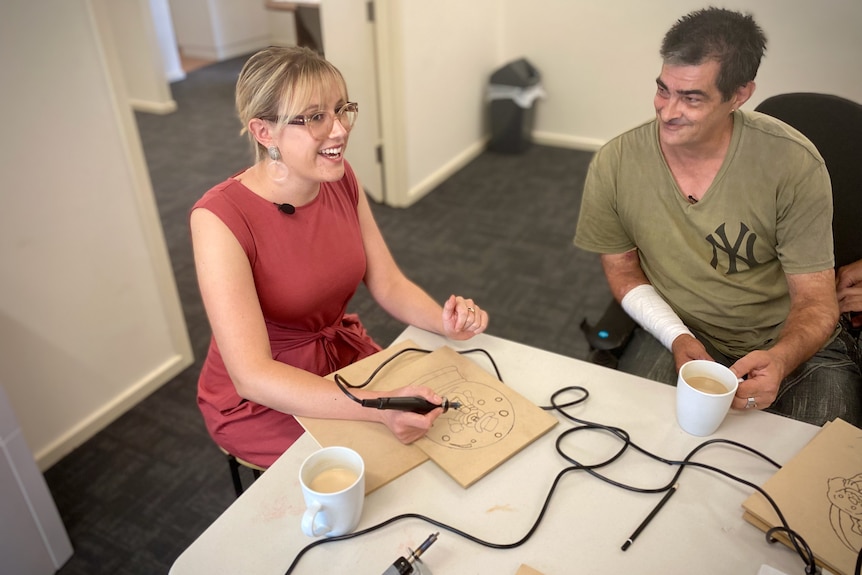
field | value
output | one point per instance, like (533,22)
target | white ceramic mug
(704,392)
(333,485)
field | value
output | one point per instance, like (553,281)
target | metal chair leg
(233,464)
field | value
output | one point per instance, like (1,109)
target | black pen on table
(649,517)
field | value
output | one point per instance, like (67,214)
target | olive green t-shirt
(720,262)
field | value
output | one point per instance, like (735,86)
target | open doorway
(190,63)
(306,16)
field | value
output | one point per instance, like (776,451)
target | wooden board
(819,493)
(493,424)
(385,457)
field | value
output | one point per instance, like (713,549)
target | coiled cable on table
(798,543)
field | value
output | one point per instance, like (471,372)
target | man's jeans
(827,386)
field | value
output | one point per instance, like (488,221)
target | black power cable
(798,543)
(345,385)
(416,404)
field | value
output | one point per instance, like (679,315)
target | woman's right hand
(406,425)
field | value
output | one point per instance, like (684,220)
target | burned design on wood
(485,417)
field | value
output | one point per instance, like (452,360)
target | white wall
(281,25)
(90,319)
(143,66)
(437,59)
(167,40)
(33,539)
(448,61)
(220,29)
(599,58)
(193,28)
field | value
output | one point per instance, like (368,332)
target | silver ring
(470,309)
(750,403)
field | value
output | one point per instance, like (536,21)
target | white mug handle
(313,523)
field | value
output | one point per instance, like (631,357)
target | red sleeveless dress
(306,267)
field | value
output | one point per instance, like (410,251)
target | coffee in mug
(704,392)
(333,486)
(706,384)
(333,480)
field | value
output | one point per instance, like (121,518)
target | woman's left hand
(462,318)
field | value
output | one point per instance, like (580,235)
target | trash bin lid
(518,73)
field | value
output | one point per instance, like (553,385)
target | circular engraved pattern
(484,418)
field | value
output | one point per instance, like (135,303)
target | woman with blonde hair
(280,249)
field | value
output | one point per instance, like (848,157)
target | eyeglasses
(320,123)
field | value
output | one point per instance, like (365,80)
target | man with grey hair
(714,229)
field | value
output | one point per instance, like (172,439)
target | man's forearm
(806,329)
(812,318)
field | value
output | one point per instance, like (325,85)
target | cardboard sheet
(819,493)
(494,422)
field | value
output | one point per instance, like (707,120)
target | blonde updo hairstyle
(280,82)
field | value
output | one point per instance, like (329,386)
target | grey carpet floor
(140,491)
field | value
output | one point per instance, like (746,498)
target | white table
(700,530)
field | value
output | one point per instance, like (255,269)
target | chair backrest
(834,126)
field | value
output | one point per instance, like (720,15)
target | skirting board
(567,141)
(225,52)
(110,411)
(175,76)
(151,107)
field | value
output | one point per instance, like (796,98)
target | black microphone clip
(286,208)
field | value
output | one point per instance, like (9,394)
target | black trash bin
(513,91)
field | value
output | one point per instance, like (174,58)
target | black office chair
(609,336)
(834,126)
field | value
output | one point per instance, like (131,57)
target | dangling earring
(275,168)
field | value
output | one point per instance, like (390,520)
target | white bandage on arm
(646,306)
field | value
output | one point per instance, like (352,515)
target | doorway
(348,40)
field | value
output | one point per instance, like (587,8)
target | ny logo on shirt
(721,245)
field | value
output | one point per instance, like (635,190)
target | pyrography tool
(404,566)
(415,404)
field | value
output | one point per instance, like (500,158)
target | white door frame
(349,43)
(390,81)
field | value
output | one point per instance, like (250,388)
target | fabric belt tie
(349,332)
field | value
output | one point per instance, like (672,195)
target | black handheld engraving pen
(649,517)
(415,404)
